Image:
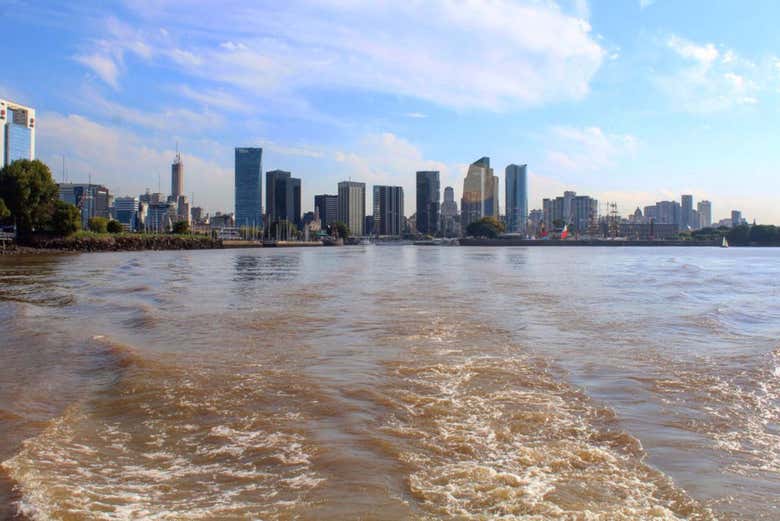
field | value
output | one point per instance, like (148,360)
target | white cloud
(587,149)
(467,54)
(644,4)
(707,78)
(126,163)
(102,65)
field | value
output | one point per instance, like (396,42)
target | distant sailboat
(725,243)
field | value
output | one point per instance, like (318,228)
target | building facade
(428,202)
(388,211)
(686,213)
(328,207)
(248,187)
(450,224)
(126,212)
(17,123)
(352,206)
(480,193)
(283,197)
(516,196)
(736,218)
(91,200)
(705,214)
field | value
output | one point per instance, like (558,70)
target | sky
(631,101)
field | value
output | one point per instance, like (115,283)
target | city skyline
(651,103)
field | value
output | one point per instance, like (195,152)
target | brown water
(392,383)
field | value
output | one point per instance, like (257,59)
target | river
(392,382)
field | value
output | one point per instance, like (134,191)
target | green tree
(66,219)
(181,227)
(739,234)
(29,193)
(763,234)
(5,213)
(339,229)
(114,226)
(489,227)
(98,224)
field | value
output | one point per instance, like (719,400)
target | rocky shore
(115,243)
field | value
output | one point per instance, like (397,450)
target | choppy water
(392,383)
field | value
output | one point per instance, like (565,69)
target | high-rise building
(577,212)
(516,196)
(352,206)
(736,218)
(450,227)
(328,207)
(428,197)
(388,210)
(18,132)
(91,200)
(248,186)
(480,193)
(126,212)
(584,214)
(705,214)
(686,212)
(283,197)
(177,177)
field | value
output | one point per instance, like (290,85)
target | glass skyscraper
(328,207)
(283,197)
(428,202)
(516,194)
(249,189)
(480,193)
(18,132)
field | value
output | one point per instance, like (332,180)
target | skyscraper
(736,218)
(388,210)
(283,197)
(449,214)
(249,190)
(480,193)
(352,206)
(18,132)
(686,212)
(328,206)
(516,195)
(705,213)
(428,197)
(177,177)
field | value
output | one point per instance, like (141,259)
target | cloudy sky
(631,101)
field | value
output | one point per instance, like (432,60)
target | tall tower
(428,202)
(516,195)
(352,206)
(248,186)
(177,176)
(480,193)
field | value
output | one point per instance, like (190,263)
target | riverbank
(594,242)
(120,242)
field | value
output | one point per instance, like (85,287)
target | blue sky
(631,101)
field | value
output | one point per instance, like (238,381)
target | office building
(177,177)
(480,193)
(736,218)
(686,213)
(569,210)
(516,195)
(126,212)
(328,207)
(161,217)
(352,206)
(428,197)
(197,215)
(535,222)
(665,212)
(248,187)
(705,214)
(584,214)
(92,200)
(17,123)
(450,225)
(388,218)
(283,197)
